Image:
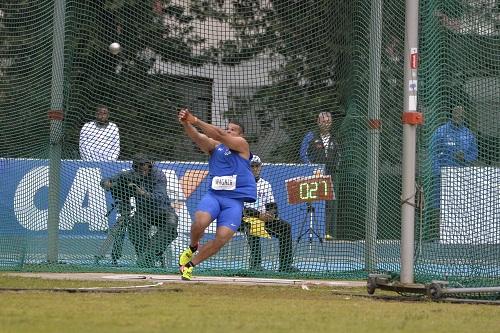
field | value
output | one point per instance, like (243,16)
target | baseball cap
(140,159)
(255,160)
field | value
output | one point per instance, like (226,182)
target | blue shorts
(227,211)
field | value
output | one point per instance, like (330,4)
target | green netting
(460,43)
(273,66)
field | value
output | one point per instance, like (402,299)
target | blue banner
(84,204)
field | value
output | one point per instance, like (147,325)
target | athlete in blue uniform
(231,184)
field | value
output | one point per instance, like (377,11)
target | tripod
(312,219)
(116,234)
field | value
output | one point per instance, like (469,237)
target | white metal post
(409,144)
(373,139)
(56,131)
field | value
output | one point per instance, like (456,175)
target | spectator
(320,146)
(263,214)
(100,139)
(148,185)
(452,145)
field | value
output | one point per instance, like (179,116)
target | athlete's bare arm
(205,143)
(230,137)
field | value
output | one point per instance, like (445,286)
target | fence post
(373,130)
(56,115)
(411,119)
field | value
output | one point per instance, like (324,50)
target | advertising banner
(84,203)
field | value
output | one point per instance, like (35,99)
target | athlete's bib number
(224,183)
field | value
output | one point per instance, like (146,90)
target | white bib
(225,183)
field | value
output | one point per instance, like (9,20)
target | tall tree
(143,104)
(310,39)
(25,77)
(313,43)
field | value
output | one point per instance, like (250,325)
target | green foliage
(309,41)
(312,77)
(25,77)
(139,101)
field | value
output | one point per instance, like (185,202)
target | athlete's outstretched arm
(205,143)
(236,143)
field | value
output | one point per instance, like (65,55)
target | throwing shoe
(186,256)
(186,272)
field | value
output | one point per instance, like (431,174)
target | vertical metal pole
(409,144)
(373,140)
(56,131)
(311,226)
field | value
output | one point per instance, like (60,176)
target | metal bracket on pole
(412,118)
(407,201)
(385,282)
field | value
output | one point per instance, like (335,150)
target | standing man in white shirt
(100,139)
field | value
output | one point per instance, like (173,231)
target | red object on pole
(56,114)
(414,60)
(412,118)
(374,123)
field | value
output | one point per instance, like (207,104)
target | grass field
(189,307)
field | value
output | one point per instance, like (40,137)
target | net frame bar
(56,130)
(409,147)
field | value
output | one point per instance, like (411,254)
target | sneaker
(328,237)
(186,272)
(185,257)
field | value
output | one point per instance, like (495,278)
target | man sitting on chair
(261,220)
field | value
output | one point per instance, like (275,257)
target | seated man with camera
(148,185)
(261,220)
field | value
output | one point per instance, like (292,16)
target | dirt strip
(197,279)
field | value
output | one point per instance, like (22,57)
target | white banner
(470,205)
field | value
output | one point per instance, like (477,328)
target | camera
(121,193)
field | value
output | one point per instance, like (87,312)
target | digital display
(308,189)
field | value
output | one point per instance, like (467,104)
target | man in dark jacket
(153,227)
